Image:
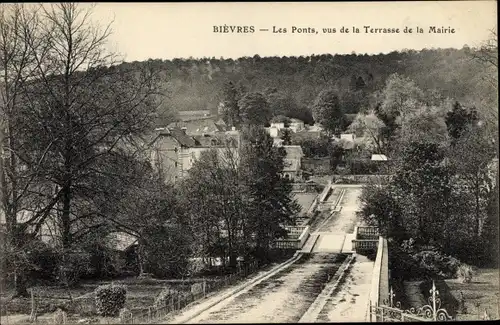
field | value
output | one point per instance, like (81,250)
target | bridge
(326,280)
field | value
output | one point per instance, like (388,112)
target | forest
(196,84)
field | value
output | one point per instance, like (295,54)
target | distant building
(200,126)
(379,157)
(278,125)
(348,137)
(273,130)
(193,115)
(173,151)
(296,125)
(293,163)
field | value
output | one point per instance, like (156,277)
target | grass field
(305,200)
(481,295)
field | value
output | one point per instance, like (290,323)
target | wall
(362,178)
(380,279)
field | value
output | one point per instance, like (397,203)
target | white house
(296,125)
(273,131)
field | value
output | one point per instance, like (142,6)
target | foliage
(281,119)
(336,153)
(459,119)
(380,209)
(399,93)
(237,201)
(165,250)
(230,110)
(110,299)
(328,112)
(261,167)
(371,127)
(314,148)
(254,109)
(165,297)
(286,137)
(421,263)
(465,273)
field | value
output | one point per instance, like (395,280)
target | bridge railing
(297,237)
(366,239)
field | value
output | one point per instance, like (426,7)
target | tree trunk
(66,216)
(478,209)
(21,285)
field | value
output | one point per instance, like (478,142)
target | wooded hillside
(195,84)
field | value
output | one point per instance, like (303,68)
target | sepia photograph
(249,162)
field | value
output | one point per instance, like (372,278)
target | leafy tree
(459,120)
(215,204)
(471,155)
(336,153)
(423,184)
(230,108)
(422,123)
(273,205)
(281,119)
(286,137)
(327,111)
(369,126)
(315,148)
(399,92)
(254,109)
(381,209)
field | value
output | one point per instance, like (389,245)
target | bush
(465,273)
(43,260)
(75,264)
(417,263)
(110,299)
(438,264)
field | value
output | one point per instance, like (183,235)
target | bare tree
(69,114)
(19,37)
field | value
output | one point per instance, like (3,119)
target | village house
(173,151)
(293,163)
(296,125)
(193,115)
(200,126)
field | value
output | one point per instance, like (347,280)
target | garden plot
(481,296)
(284,297)
(305,200)
(141,294)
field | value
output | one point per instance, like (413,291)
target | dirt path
(283,298)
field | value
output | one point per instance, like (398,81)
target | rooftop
(293,152)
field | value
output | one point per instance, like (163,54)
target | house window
(176,164)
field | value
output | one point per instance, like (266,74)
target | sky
(181,30)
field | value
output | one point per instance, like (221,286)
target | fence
(366,239)
(367,232)
(295,231)
(182,299)
(297,237)
(390,311)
